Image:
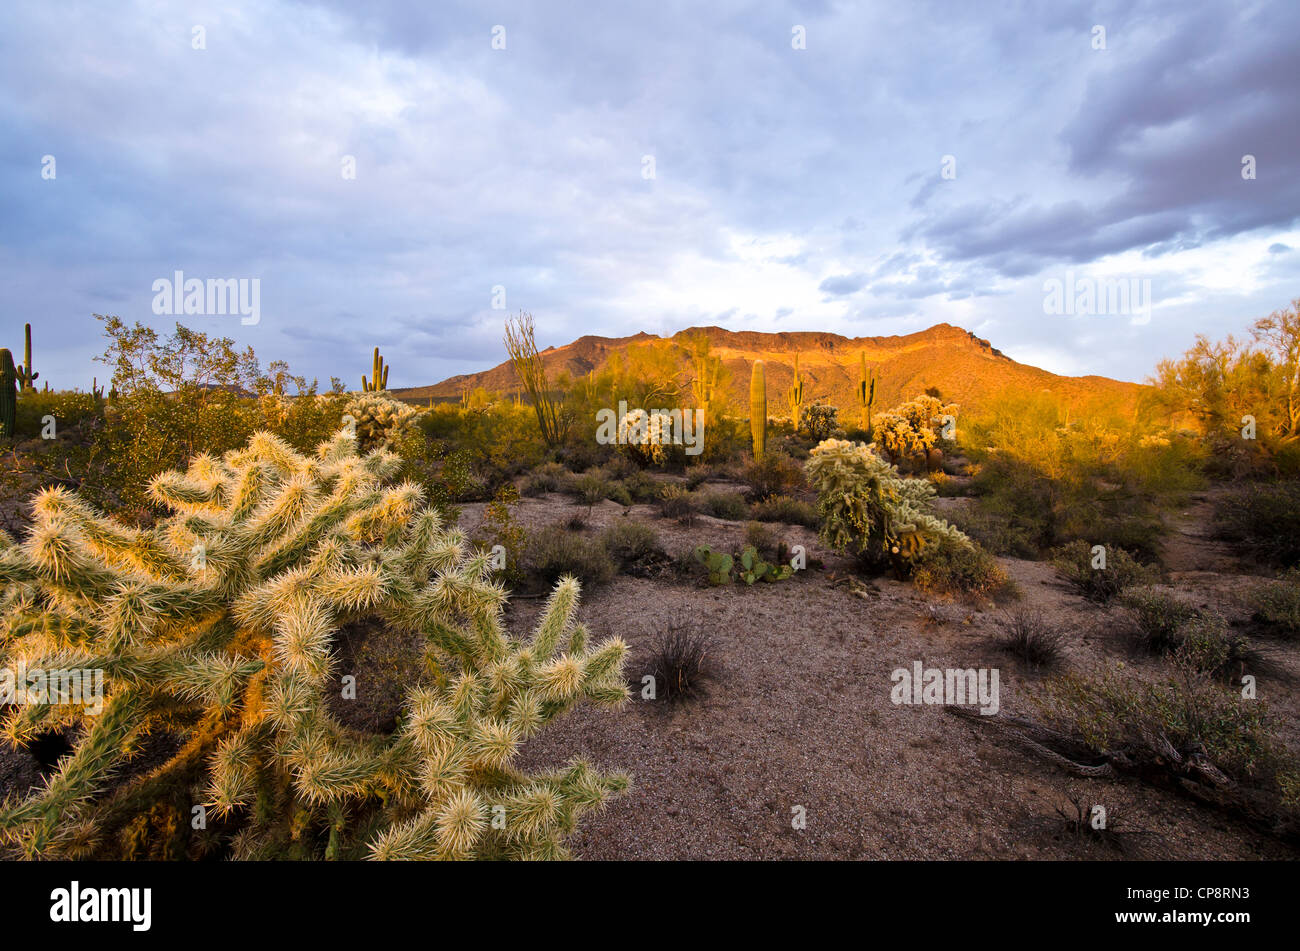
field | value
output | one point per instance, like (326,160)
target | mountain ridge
(964,367)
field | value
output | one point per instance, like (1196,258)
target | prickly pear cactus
(218,627)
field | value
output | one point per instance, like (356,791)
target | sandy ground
(800,715)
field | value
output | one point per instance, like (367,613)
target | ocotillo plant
(8,393)
(795,395)
(217,625)
(26,378)
(758,409)
(379,376)
(867,397)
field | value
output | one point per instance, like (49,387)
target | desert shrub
(729,506)
(678,660)
(554,553)
(772,474)
(217,627)
(950,567)
(1074,563)
(548,477)
(68,408)
(869,509)
(1158,617)
(697,476)
(1165,625)
(1276,606)
(631,543)
(641,487)
(762,538)
(618,492)
(501,527)
(1264,519)
(787,510)
(591,488)
(676,502)
(1176,728)
(1028,636)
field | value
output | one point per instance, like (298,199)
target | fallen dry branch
(1155,760)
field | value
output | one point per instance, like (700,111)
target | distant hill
(965,369)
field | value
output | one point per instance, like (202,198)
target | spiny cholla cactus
(646,436)
(218,624)
(378,419)
(868,508)
(911,429)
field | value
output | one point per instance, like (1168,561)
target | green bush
(1276,606)
(787,510)
(1074,562)
(548,477)
(952,568)
(676,502)
(772,474)
(554,553)
(1159,618)
(1264,520)
(631,543)
(729,506)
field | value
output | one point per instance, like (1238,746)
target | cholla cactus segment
(378,419)
(868,508)
(219,626)
(646,436)
(912,429)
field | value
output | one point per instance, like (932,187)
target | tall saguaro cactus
(758,408)
(867,397)
(8,393)
(795,395)
(26,378)
(379,376)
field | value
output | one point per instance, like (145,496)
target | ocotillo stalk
(758,409)
(8,394)
(26,378)
(796,395)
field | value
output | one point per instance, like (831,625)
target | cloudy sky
(646,166)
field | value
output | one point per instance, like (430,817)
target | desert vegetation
(351,623)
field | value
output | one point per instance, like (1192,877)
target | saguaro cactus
(795,395)
(867,397)
(758,408)
(8,393)
(379,376)
(26,378)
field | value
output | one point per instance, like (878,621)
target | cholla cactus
(869,509)
(379,420)
(908,430)
(218,625)
(646,436)
(819,420)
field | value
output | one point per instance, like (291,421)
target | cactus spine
(9,376)
(796,395)
(867,397)
(379,376)
(758,409)
(26,378)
